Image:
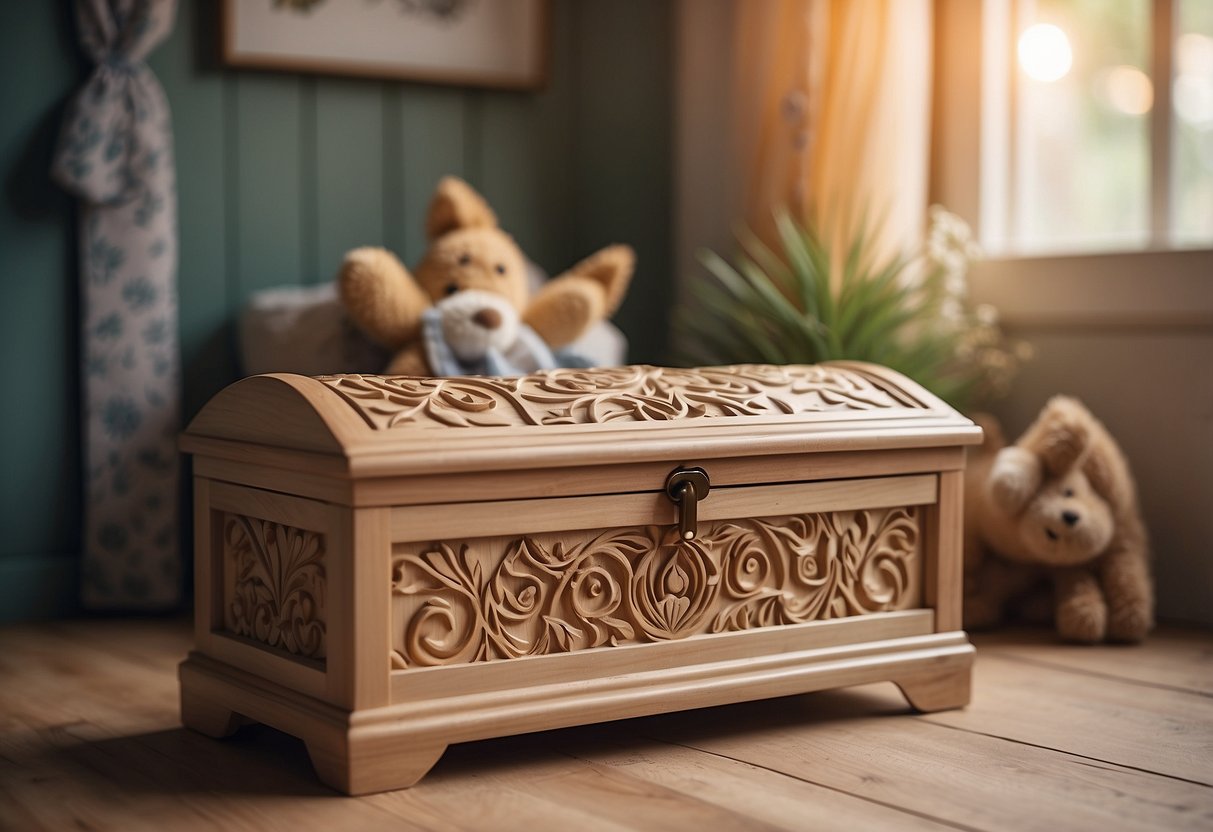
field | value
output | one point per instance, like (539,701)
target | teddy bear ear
(456,205)
(612,267)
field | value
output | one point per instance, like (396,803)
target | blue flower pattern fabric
(115,153)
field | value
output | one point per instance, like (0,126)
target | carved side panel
(274,584)
(498,598)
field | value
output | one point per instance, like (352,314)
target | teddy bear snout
(490,319)
(1070,518)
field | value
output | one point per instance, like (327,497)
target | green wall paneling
(39,433)
(267,207)
(526,149)
(431,134)
(393,169)
(278,175)
(622,154)
(349,169)
(199,96)
(39,585)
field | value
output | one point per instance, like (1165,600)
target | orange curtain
(832,113)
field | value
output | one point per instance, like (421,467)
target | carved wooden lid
(385,425)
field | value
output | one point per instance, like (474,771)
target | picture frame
(498,44)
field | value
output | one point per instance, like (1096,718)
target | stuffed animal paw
(1083,620)
(1014,478)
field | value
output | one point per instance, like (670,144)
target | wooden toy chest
(386,565)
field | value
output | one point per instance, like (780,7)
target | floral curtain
(115,154)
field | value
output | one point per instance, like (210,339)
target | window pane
(1082,149)
(1192,136)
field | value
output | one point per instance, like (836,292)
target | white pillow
(304,329)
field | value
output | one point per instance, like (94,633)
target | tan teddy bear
(1058,507)
(468,251)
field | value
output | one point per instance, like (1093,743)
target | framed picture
(484,43)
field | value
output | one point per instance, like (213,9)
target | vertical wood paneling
(526,151)
(622,143)
(473,135)
(279,175)
(268,183)
(349,170)
(393,169)
(196,92)
(432,143)
(39,434)
(310,207)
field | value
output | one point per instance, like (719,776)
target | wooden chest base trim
(425,683)
(378,749)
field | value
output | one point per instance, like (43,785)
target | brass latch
(686,487)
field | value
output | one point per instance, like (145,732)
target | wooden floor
(1057,737)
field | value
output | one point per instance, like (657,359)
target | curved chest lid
(387,425)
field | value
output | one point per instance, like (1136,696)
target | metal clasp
(686,487)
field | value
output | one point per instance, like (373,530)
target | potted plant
(805,303)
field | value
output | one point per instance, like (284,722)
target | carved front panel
(274,584)
(497,598)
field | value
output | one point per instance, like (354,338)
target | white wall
(1153,388)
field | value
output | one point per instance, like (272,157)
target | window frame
(1159,286)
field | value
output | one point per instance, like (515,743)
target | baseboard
(1149,290)
(39,586)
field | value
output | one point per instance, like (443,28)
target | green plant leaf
(741,334)
(778,305)
(766,259)
(803,268)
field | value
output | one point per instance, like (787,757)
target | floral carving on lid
(624,394)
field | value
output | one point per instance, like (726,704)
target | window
(1097,125)
(1192,138)
(1127,239)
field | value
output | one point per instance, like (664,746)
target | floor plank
(1080,738)
(66,778)
(592,764)
(862,743)
(772,797)
(526,783)
(1155,729)
(1181,659)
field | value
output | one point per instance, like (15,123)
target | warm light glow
(1193,89)
(1128,89)
(1044,52)
(1194,100)
(1194,53)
